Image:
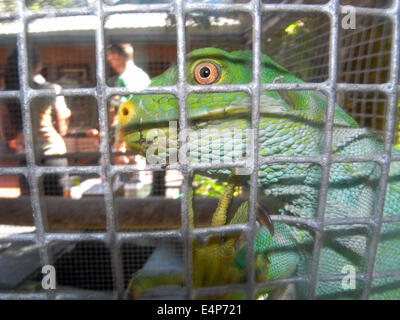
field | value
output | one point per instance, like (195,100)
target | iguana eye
(206,73)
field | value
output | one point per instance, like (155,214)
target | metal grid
(364,54)
(181,90)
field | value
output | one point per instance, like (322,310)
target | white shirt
(134,78)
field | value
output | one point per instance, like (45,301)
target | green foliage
(208,187)
(294,27)
(57,4)
(8,5)
(295,46)
(398,127)
(204,186)
(77,181)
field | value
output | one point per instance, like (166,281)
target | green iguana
(291,124)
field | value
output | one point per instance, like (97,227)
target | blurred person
(47,130)
(5,150)
(120,57)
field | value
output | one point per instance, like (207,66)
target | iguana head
(208,66)
(211,66)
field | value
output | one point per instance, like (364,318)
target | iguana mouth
(195,120)
(136,138)
(132,121)
(134,128)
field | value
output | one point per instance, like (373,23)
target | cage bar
(181,90)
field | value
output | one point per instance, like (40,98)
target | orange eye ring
(206,73)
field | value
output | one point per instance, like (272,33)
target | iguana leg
(213,255)
(154,275)
(216,260)
(219,217)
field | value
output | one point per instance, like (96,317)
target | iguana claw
(265,219)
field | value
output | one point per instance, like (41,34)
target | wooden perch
(150,213)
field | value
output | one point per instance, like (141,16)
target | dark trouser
(158,188)
(51,183)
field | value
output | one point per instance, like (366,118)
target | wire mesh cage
(75,198)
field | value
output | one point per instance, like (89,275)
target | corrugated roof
(90,23)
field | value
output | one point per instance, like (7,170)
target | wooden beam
(150,213)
